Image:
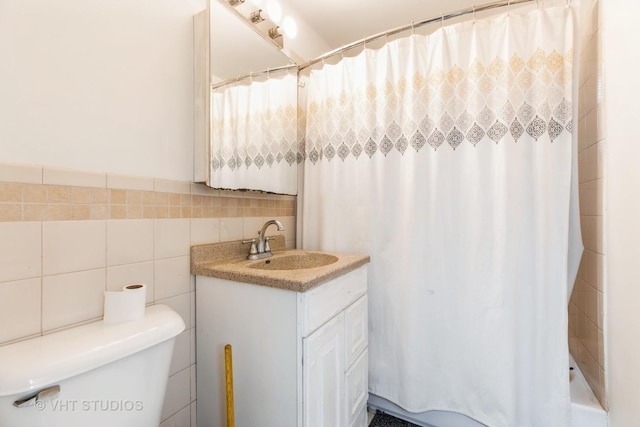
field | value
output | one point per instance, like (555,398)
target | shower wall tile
(66,239)
(586,313)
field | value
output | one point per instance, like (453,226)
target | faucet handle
(267,248)
(253,250)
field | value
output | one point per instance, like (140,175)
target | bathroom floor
(380,419)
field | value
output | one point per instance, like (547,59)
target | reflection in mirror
(253,134)
(237,49)
(253,107)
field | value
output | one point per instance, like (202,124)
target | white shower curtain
(254,135)
(448,159)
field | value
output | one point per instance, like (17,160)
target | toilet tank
(92,375)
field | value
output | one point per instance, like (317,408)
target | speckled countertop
(227,260)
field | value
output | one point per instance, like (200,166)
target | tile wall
(67,236)
(586,307)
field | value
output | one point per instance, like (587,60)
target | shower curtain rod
(394,31)
(252,75)
(441,18)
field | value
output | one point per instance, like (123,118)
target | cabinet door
(323,375)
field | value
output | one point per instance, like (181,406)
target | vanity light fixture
(275,32)
(235,3)
(256,16)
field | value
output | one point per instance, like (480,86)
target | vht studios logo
(89,405)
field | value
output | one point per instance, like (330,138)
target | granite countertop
(227,260)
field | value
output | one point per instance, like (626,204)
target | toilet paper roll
(125,305)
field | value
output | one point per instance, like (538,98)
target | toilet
(96,375)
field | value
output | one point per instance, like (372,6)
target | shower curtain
(448,159)
(254,135)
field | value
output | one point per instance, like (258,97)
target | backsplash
(67,236)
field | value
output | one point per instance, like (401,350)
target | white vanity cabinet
(299,358)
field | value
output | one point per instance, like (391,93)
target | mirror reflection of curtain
(448,159)
(253,136)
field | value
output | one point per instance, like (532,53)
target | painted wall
(622,91)
(96,155)
(98,85)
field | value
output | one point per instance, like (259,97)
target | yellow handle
(229,384)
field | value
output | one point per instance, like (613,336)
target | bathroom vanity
(297,324)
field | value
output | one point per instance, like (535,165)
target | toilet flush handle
(45,394)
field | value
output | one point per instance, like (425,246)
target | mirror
(246,122)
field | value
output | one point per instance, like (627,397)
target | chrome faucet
(261,249)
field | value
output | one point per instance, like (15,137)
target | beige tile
(100,196)
(117,211)
(80,195)
(34,193)
(172,238)
(27,174)
(10,212)
(80,212)
(19,309)
(58,176)
(34,212)
(205,230)
(172,277)
(129,241)
(134,197)
(10,192)
(117,197)
(58,194)
(70,246)
(99,212)
(122,275)
(181,353)
(20,250)
(72,298)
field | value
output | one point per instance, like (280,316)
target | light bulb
(274,10)
(290,27)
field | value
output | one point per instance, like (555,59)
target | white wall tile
(129,241)
(73,246)
(192,309)
(205,230)
(171,186)
(71,298)
(178,393)
(172,238)
(289,223)
(59,176)
(172,276)
(192,338)
(194,411)
(231,229)
(181,304)
(179,419)
(181,352)
(251,226)
(129,182)
(20,250)
(121,275)
(193,382)
(19,309)
(26,174)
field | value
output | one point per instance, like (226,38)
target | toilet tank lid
(42,361)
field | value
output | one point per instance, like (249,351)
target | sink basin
(296,261)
